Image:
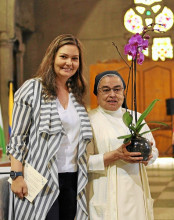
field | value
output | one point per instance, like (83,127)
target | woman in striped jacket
(50,131)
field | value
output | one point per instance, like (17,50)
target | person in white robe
(118,187)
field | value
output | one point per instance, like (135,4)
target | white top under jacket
(67,153)
(121,190)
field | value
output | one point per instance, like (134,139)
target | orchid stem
(132,92)
(120,54)
(127,86)
(135,95)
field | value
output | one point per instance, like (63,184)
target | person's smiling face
(66,62)
(110,94)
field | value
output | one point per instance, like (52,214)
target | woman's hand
(130,157)
(150,157)
(147,161)
(122,154)
(19,187)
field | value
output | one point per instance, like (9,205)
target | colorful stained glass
(146,2)
(133,22)
(156,8)
(148,21)
(148,13)
(162,48)
(165,18)
(141,10)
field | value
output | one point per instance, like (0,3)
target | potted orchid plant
(138,142)
(137,43)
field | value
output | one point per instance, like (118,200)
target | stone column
(19,57)
(7,23)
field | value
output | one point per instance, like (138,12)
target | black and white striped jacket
(36,136)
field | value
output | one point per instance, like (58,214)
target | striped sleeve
(21,121)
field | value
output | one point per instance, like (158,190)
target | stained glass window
(141,10)
(165,18)
(133,22)
(162,49)
(148,21)
(146,12)
(156,8)
(146,2)
(138,16)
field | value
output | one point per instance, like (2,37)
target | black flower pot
(140,144)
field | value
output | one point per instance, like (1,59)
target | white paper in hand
(34,180)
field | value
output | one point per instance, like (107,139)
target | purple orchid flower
(145,44)
(140,58)
(136,39)
(130,50)
(135,46)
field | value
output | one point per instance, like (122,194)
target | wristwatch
(14,174)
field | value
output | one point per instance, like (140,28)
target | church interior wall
(97,23)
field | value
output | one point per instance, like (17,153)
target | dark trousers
(64,208)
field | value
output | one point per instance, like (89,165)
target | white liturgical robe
(121,190)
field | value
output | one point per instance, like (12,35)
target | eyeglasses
(106,90)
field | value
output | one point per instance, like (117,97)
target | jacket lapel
(51,126)
(50,122)
(84,138)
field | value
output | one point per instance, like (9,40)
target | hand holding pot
(130,157)
(122,153)
(150,157)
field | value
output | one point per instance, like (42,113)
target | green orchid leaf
(127,118)
(150,122)
(139,128)
(154,129)
(157,122)
(133,129)
(126,140)
(145,113)
(125,136)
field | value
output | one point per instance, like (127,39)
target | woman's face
(110,94)
(66,62)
